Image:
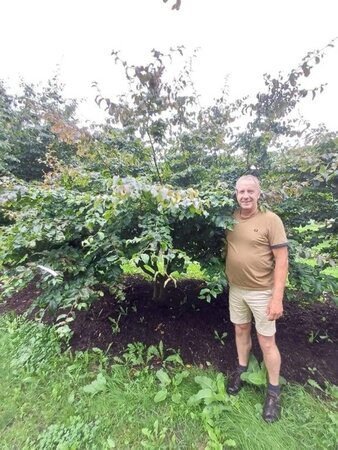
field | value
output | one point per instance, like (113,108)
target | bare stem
(154,157)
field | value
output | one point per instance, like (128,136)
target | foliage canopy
(153,186)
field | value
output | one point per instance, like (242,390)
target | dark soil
(188,324)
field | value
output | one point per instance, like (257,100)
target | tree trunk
(159,291)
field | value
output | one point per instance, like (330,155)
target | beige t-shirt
(250,261)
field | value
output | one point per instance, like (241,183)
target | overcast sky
(241,39)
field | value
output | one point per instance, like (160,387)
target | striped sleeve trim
(285,244)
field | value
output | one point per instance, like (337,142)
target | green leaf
(96,386)
(205,394)
(332,390)
(314,384)
(163,377)
(179,377)
(230,443)
(161,264)
(107,214)
(61,316)
(149,268)
(176,398)
(161,348)
(258,378)
(175,359)
(145,258)
(253,364)
(204,291)
(161,396)
(152,351)
(112,258)
(220,383)
(245,376)
(193,400)
(205,382)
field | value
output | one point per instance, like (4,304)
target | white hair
(251,178)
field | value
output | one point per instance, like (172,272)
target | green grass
(129,268)
(54,400)
(194,270)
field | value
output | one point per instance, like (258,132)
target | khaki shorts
(245,303)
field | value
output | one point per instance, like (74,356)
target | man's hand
(274,309)
(275,306)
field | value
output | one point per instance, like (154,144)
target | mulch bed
(188,324)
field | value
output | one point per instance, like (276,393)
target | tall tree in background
(156,109)
(189,143)
(164,112)
(270,113)
(33,124)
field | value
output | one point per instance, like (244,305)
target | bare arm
(275,308)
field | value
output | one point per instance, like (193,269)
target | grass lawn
(193,271)
(57,400)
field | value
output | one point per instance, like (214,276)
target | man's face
(247,194)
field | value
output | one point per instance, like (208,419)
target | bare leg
(243,342)
(271,357)
(243,346)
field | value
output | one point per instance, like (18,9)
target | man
(256,267)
